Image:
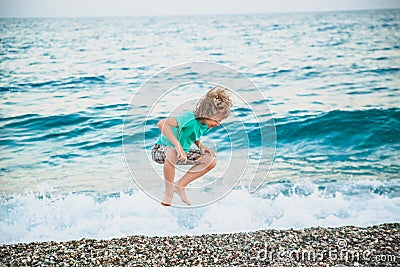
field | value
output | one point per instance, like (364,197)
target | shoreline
(377,245)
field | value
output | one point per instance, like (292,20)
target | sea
(331,82)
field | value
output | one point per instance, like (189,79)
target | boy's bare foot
(165,203)
(180,190)
(167,200)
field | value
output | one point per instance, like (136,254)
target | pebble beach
(344,246)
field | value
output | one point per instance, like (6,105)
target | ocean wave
(30,128)
(43,216)
(346,130)
(357,129)
(381,71)
(36,122)
(65,82)
(339,128)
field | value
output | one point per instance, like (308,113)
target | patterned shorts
(158,155)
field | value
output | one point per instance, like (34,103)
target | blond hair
(216,104)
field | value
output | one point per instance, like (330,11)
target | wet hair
(216,104)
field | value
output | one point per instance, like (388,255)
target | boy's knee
(211,162)
(171,155)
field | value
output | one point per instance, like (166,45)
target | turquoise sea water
(332,81)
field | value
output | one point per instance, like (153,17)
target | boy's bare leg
(169,175)
(206,163)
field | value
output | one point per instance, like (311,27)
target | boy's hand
(181,154)
(204,150)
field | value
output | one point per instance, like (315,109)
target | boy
(179,133)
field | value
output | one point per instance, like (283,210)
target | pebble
(343,246)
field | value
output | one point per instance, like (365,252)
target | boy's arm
(198,144)
(165,126)
(204,149)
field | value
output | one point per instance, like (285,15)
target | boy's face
(211,123)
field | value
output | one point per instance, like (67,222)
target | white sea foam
(32,218)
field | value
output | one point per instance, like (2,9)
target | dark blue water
(331,80)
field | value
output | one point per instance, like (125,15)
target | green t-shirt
(189,130)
